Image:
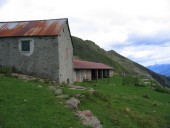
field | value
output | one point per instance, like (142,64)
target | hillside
(88,50)
(163,69)
(30,104)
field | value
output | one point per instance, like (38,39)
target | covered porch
(86,71)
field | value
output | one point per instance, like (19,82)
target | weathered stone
(92,91)
(58,91)
(44,58)
(72,103)
(127,110)
(88,119)
(75,87)
(39,86)
(145,95)
(63,96)
(52,88)
(27,77)
(79,96)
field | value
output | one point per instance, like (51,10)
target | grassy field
(124,106)
(30,104)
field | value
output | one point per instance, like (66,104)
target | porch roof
(79,64)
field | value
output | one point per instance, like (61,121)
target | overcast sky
(137,29)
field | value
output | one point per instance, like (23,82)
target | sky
(136,29)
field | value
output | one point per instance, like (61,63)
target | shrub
(155,103)
(139,85)
(161,89)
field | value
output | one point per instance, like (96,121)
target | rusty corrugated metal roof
(32,28)
(79,64)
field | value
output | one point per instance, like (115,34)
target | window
(25,45)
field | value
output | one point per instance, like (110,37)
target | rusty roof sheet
(32,28)
(79,64)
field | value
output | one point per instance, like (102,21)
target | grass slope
(31,105)
(123,106)
(25,104)
(137,69)
(88,50)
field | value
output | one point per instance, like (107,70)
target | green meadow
(117,103)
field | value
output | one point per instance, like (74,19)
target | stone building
(42,48)
(85,70)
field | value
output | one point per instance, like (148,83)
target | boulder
(92,91)
(75,87)
(79,95)
(145,95)
(72,103)
(88,119)
(58,91)
(52,88)
(63,96)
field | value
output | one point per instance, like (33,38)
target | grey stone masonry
(49,57)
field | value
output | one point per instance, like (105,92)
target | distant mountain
(163,69)
(88,50)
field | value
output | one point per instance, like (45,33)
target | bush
(155,103)
(161,89)
(7,70)
(139,85)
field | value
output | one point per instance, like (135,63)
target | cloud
(146,49)
(147,54)
(159,39)
(3,2)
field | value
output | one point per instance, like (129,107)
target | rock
(72,103)
(75,87)
(127,110)
(52,88)
(39,86)
(58,91)
(88,119)
(92,91)
(27,77)
(79,96)
(145,95)
(63,96)
(41,80)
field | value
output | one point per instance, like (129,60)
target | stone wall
(65,56)
(80,75)
(111,72)
(88,74)
(43,61)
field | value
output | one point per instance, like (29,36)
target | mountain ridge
(88,50)
(163,69)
